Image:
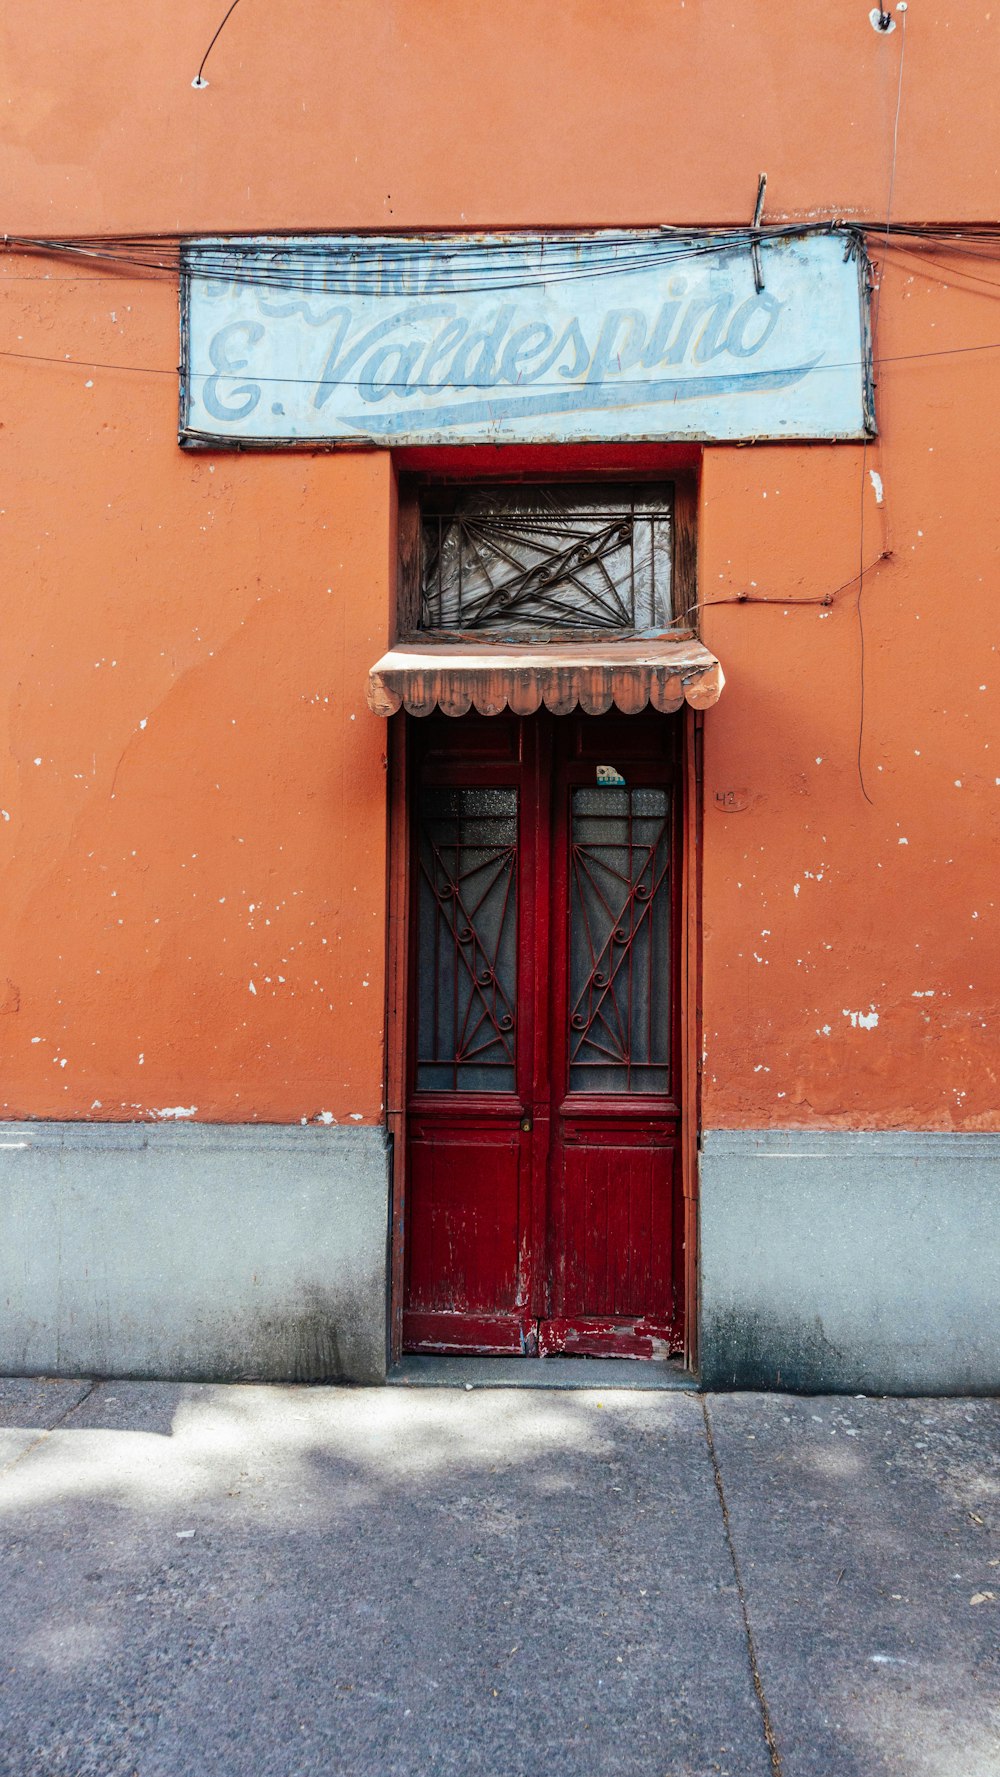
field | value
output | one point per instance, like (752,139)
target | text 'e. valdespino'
(502,339)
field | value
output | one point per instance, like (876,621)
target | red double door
(543,1208)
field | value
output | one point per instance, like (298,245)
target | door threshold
(414,1371)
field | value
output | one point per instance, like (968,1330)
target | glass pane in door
(619,940)
(467,940)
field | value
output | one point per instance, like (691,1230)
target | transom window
(523,559)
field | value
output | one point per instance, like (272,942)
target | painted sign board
(357,340)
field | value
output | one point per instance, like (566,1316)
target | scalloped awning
(455,677)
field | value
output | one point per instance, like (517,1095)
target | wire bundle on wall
(310,262)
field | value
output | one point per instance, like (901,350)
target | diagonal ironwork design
(468,987)
(547,557)
(619,940)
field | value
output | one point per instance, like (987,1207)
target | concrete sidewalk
(273,1582)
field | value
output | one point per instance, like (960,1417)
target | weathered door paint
(543,1202)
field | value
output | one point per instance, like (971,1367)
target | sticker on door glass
(606,774)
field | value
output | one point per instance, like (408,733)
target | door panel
(464,1253)
(543,1207)
(614,1221)
(469,1185)
(617,1230)
(613,1237)
(463,1259)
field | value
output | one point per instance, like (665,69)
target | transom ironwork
(467,940)
(619,940)
(558,557)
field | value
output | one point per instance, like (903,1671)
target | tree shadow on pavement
(400,1583)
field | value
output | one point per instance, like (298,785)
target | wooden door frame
(398,1007)
(684,479)
(692,821)
(397,1016)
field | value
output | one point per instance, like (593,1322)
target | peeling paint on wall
(862,1020)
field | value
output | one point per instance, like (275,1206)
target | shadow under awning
(455,677)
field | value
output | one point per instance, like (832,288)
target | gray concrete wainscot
(229,1252)
(850,1261)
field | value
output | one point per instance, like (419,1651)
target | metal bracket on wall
(758,211)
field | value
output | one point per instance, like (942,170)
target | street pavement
(203,1581)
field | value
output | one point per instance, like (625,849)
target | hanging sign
(473,339)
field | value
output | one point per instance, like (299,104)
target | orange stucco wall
(424,113)
(852,948)
(193,916)
(194,789)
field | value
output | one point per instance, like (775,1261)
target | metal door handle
(526,1125)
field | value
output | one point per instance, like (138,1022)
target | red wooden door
(543,1202)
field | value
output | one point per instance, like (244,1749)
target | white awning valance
(455,677)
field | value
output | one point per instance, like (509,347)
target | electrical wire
(197,81)
(825,599)
(356,268)
(368,263)
(362,265)
(992,345)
